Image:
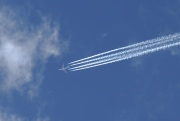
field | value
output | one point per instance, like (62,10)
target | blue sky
(38,36)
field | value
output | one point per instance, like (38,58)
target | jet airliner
(64,68)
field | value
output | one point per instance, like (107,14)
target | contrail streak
(130,56)
(134,50)
(126,47)
(145,45)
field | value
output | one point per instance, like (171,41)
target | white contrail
(133,51)
(86,60)
(123,54)
(149,43)
(130,46)
(130,56)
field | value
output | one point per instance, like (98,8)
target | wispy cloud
(6,116)
(23,49)
(175,51)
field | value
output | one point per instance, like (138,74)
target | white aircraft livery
(64,68)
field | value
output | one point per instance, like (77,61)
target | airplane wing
(63,68)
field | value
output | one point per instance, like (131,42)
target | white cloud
(104,35)
(23,47)
(175,51)
(137,62)
(6,116)
(9,117)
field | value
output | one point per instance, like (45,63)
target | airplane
(64,68)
